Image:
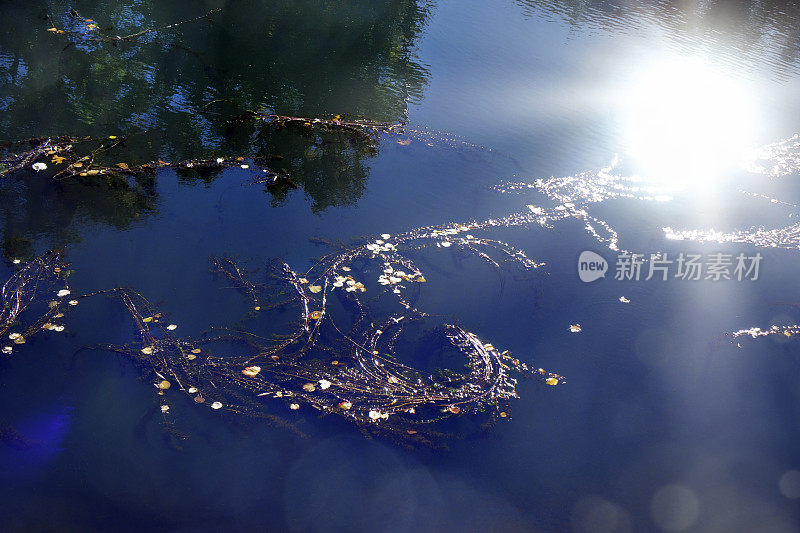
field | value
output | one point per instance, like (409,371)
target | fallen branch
(90,28)
(61,153)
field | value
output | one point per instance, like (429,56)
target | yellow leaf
(316,315)
(123,166)
(112,137)
(164,385)
(551,381)
(147,350)
(251,371)
(54,30)
(148,319)
(314,288)
(57,159)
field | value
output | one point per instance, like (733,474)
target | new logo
(591,266)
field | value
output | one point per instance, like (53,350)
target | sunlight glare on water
(687,123)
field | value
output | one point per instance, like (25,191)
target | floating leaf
(316,315)
(575,328)
(196,350)
(251,371)
(147,319)
(164,408)
(551,381)
(123,166)
(294,406)
(216,405)
(62,292)
(73,302)
(309,387)
(172,327)
(19,340)
(488,346)
(404,142)
(7,349)
(503,414)
(345,405)
(199,399)
(454,409)
(147,350)
(39,166)
(14,336)
(192,390)
(57,159)
(314,288)
(257,308)
(58,328)
(164,385)
(624,300)
(324,384)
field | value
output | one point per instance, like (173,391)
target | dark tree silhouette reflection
(173,91)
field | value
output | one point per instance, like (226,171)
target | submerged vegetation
(341,358)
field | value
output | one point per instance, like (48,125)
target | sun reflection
(687,125)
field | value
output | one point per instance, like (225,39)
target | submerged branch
(340,355)
(61,153)
(91,32)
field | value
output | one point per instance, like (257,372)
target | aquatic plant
(341,357)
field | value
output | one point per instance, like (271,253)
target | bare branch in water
(341,356)
(88,30)
(61,154)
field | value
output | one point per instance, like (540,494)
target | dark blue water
(664,422)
